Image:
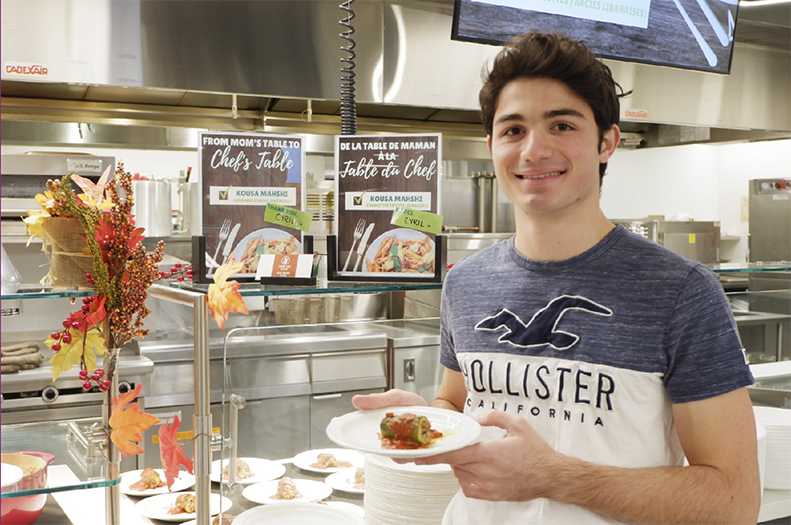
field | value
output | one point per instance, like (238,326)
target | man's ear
(489,142)
(610,141)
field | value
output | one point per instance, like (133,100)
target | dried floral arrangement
(122,272)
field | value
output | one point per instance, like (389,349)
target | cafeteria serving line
(691,173)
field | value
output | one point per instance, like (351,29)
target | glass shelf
(246,289)
(775,383)
(255,289)
(28,291)
(781,266)
(55,438)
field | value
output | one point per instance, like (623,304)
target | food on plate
(185,504)
(223,519)
(251,255)
(407,431)
(286,489)
(395,255)
(149,479)
(319,502)
(327,460)
(359,479)
(242,470)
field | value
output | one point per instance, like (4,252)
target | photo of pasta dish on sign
(401,250)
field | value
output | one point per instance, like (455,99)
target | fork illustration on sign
(224,232)
(358,232)
(361,246)
(229,243)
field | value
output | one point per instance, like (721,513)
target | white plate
(156,507)
(268,234)
(304,460)
(263,469)
(183,482)
(349,507)
(402,234)
(310,491)
(344,481)
(360,431)
(298,514)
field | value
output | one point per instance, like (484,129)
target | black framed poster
(241,173)
(376,176)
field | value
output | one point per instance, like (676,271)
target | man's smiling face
(545,148)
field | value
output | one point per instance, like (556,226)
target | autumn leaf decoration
(224,296)
(171,452)
(81,341)
(128,424)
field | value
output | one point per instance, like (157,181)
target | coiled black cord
(348,105)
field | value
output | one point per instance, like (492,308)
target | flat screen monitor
(688,34)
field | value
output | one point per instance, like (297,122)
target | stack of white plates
(761,454)
(397,494)
(777,423)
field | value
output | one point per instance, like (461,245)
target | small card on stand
(285,265)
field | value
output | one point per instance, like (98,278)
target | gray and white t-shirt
(591,351)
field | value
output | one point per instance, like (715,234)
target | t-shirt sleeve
(706,356)
(447,356)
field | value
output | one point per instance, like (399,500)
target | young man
(607,358)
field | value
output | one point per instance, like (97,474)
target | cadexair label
(25,70)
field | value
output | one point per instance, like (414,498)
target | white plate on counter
(349,507)
(263,470)
(308,489)
(360,431)
(183,482)
(306,460)
(156,507)
(344,481)
(299,514)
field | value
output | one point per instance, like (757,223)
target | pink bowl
(24,510)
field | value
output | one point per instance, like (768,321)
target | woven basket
(64,243)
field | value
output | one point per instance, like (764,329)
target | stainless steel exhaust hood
(164,66)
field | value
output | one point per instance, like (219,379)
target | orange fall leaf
(171,453)
(128,424)
(224,296)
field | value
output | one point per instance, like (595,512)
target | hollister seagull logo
(542,328)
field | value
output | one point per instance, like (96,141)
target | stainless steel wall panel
(422,65)
(285,48)
(770,221)
(460,197)
(348,366)
(757,93)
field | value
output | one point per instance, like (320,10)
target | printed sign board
(376,176)
(241,174)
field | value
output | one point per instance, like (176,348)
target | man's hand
(516,467)
(391,398)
